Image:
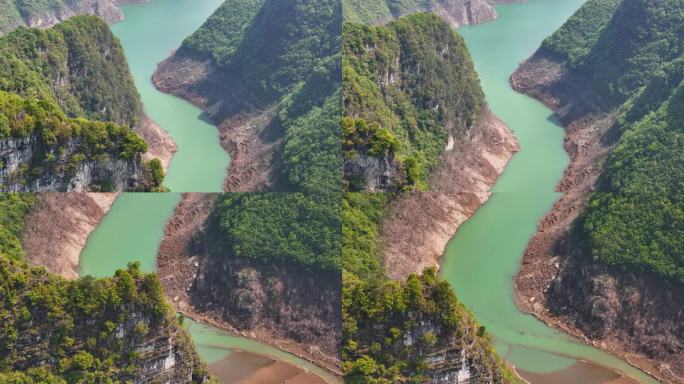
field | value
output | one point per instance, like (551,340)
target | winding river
(484,255)
(133,229)
(480,261)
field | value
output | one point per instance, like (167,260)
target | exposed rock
(458,13)
(377,173)
(57,227)
(108,10)
(159,143)
(17,153)
(270,303)
(418,225)
(251,135)
(630,315)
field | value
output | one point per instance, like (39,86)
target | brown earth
(57,227)
(159,143)
(249,132)
(632,316)
(273,304)
(580,372)
(418,225)
(248,368)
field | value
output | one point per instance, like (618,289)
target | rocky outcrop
(108,10)
(457,13)
(379,173)
(57,228)
(418,225)
(631,315)
(17,154)
(455,359)
(271,303)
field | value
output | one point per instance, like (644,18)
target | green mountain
(276,58)
(412,331)
(45,13)
(69,103)
(408,87)
(299,229)
(89,330)
(631,53)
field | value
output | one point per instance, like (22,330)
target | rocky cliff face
(89,329)
(418,225)
(628,314)
(270,303)
(456,12)
(17,154)
(108,10)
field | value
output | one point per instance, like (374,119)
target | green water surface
(484,256)
(149,34)
(133,229)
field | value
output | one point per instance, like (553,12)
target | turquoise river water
(482,258)
(485,254)
(133,228)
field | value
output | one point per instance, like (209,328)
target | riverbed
(483,257)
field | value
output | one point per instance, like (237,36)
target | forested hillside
(45,13)
(403,331)
(635,64)
(278,254)
(456,12)
(279,61)
(408,89)
(299,229)
(614,75)
(68,100)
(89,330)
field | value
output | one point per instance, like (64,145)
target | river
(133,229)
(483,257)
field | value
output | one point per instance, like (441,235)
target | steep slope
(46,13)
(267,72)
(409,92)
(118,329)
(68,106)
(456,12)
(415,119)
(607,260)
(277,254)
(400,331)
(57,227)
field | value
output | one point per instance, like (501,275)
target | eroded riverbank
(484,256)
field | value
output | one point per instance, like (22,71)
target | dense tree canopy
(630,54)
(284,53)
(68,86)
(407,86)
(290,228)
(90,330)
(379,315)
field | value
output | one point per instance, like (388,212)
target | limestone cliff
(71,118)
(457,12)
(86,330)
(16,14)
